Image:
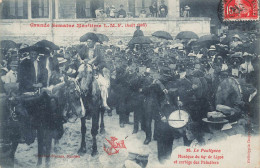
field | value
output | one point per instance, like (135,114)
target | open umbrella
(47,44)
(208,40)
(163,35)
(40,50)
(234,34)
(87,36)
(186,35)
(140,40)
(102,37)
(7,44)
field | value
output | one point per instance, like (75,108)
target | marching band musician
(136,98)
(247,68)
(154,93)
(122,93)
(181,96)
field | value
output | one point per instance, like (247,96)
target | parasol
(208,40)
(163,35)
(89,36)
(186,35)
(40,50)
(102,37)
(140,40)
(47,44)
(7,44)
(231,34)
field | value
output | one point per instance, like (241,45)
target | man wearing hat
(181,53)
(219,64)
(30,74)
(235,62)
(186,12)
(189,94)
(153,9)
(163,9)
(212,53)
(235,41)
(136,98)
(182,95)
(220,72)
(112,11)
(138,32)
(247,66)
(154,92)
(247,69)
(121,12)
(122,92)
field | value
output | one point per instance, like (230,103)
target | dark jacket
(138,33)
(153,10)
(27,77)
(136,98)
(184,91)
(163,14)
(122,12)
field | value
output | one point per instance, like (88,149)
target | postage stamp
(237,10)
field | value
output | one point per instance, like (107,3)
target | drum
(232,91)
(178,119)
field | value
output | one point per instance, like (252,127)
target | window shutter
(138,7)
(20,8)
(67,9)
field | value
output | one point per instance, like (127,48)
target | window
(142,5)
(40,8)
(81,8)
(67,9)
(14,9)
(86,8)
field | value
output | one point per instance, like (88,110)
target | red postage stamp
(237,10)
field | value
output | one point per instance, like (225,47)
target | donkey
(95,100)
(35,114)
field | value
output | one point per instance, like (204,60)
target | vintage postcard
(129,83)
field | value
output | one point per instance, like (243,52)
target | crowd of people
(112,12)
(153,11)
(152,79)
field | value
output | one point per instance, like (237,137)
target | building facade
(72,9)
(18,18)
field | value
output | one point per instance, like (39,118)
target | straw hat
(236,36)
(61,60)
(180,48)
(212,48)
(237,55)
(215,118)
(192,55)
(247,54)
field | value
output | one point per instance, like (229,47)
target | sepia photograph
(129,83)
